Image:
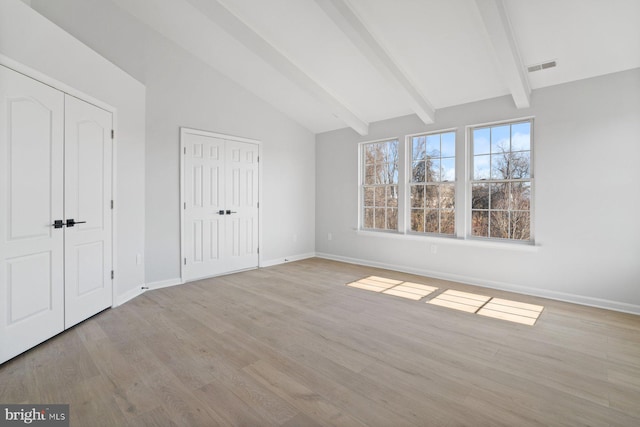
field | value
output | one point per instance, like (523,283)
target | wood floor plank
(291,345)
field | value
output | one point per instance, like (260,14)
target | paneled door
(55,212)
(87,208)
(241,204)
(220,204)
(31,199)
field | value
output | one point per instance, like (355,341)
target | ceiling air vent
(543,66)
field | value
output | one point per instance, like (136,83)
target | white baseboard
(277,261)
(129,295)
(543,293)
(164,283)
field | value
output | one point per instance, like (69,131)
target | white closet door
(203,178)
(242,200)
(220,194)
(88,156)
(31,196)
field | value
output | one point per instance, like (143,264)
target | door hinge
(112,204)
(185,150)
(112,275)
(113,134)
(258,250)
(185,261)
(258,205)
(185,205)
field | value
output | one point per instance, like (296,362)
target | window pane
(521,196)
(433,145)
(500,139)
(480,196)
(447,222)
(499,224)
(389,173)
(417,220)
(368,196)
(431,221)
(368,218)
(500,166)
(521,136)
(447,196)
(370,174)
(391,152)
(417,196)
(448,167)
(433,170)
(520,225)
(370,153)
(520,165)
(418,172)
(481,167)
(392,219)
(392,196)
(419,148)
(480,223)
(499,196)
(481,138)
(380,199)
(380,220)
(431,196)
(448,144)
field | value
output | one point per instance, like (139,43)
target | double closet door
(55,211)
(220,187)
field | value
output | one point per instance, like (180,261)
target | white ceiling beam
(234,26)
(344,16)
(496,22)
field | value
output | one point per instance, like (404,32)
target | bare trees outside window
(501,181)
(380,185)
(432,186)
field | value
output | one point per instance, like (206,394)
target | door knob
(71,222)
(220,212)
(58,223)
(229,212)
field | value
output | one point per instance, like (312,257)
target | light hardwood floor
(291,345)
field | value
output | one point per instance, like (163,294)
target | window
(432,183)
(380,185)
(501,179)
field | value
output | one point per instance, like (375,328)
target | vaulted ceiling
(331,64)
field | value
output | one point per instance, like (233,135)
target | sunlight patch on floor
(463,301)
(497,308)
(414,291)
(409,290)
(513,311)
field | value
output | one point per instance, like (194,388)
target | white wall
(587,202)
(33,41)
(183,91)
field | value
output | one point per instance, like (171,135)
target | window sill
(453,240)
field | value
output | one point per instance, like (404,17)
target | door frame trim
(192,131)
(66,89)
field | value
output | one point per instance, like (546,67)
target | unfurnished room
(319,213)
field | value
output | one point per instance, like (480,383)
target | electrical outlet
(434,249)
(138,259)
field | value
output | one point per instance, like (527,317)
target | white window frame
(408,183)
(399,184)
(469,167)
